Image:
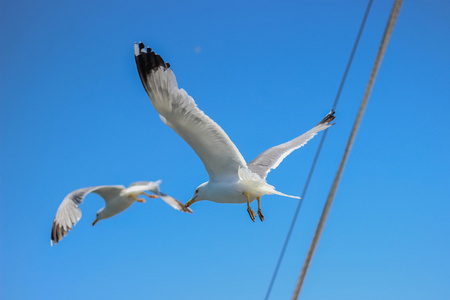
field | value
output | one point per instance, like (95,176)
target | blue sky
(74,114)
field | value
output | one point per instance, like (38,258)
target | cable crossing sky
(381,50)
(319,149)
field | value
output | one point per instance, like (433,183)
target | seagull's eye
(196,191)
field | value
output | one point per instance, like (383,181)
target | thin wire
(316,157)
(362,108)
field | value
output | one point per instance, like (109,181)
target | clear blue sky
(74,114)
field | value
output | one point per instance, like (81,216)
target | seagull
(117,199)
(231,179)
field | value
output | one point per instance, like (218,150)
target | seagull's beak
(95,222)
(190,202)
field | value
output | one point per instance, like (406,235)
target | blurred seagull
(117,199)
(231,180)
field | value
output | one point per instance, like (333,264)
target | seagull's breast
(225,192)
(116,205)
(233,191)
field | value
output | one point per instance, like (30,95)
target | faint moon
(197,49)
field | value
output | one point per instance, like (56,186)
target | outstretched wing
(174,203)
(179,111)
(146,185)
(69,212)
(272,157)
(154,188)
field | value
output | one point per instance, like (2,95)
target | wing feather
(150,184)
(69,212)
(174,203)
(154,188)
(272,157)
(179,111)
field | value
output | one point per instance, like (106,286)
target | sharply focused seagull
(117,199)
(231,179)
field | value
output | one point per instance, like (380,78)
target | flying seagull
(231,179)
(117,199)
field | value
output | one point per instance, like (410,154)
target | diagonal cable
(381,50)
(316,157)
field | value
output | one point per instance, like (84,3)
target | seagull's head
(99,216)
(199,194)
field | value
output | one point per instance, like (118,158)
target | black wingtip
(57,234)
(148,60)
(328,118)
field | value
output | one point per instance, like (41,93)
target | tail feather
(285,195)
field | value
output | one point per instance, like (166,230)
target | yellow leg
(150,196)
(261,216)
(250,211)
(137,199)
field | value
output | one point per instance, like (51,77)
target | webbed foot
(150,196)
(251,213)
(261,216)
(137,199)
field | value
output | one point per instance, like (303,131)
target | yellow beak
(190,202)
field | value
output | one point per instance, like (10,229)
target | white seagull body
(231,179)
(117,199)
